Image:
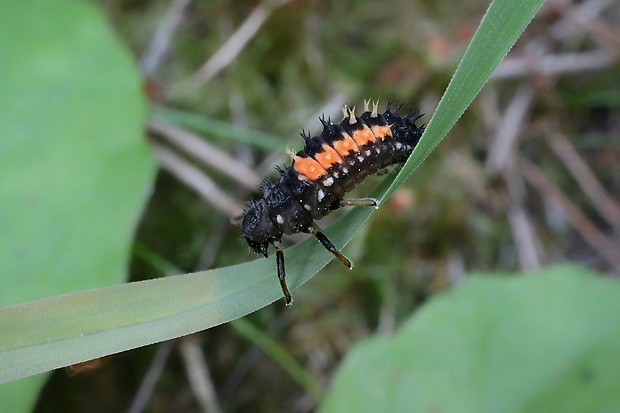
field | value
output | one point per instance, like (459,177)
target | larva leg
(316,231)
(282,273)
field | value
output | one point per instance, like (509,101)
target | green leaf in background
(75,169)
(548,342)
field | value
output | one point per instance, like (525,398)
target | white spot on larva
(320,195)
(279,219)
(398,145)
(377,150)
(328,181)
(345,171)
(367,152)
(302,177)
(360,158)
(336,175)
(307,207)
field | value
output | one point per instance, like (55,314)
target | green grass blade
(248,330)
(279,355)
(500,28)
(217,129)
(64,330)
(60,331)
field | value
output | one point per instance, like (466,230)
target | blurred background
(529,176)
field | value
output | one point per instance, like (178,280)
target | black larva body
(329,166)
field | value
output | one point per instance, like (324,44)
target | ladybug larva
(329,166)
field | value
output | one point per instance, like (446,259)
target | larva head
(258,228)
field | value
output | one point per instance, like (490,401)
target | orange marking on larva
(345,144)
(382,132)
(364,136)
(309,167)
(328,157)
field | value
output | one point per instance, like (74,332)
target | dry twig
(605,246)
(144,393)
(198,181)
(198,375)
(233,46)
(587,181)
(160,42)
(209,154)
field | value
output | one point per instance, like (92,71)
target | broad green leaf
(96,323)
(278,355)
(548,342)
(74,167)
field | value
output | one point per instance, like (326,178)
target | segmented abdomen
(345,154)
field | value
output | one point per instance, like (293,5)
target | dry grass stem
(211,155)
(587,181)
(605,246)
(197,181)
(233,46)
(509,127)
(160,42)
(147,386)
(198,375)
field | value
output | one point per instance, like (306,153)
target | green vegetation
(79,181)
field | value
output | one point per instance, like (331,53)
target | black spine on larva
(405,131)
(292,204)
